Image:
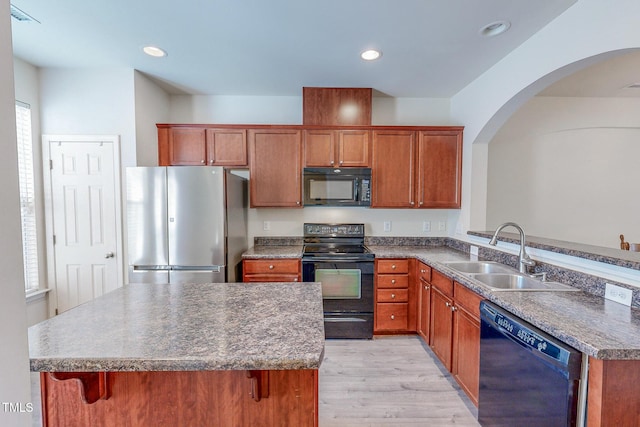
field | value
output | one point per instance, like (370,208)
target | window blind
(27,196)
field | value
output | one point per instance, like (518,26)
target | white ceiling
(431,48)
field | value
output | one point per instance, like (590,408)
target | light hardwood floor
(389,381)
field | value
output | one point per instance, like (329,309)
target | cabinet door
(393,169)
(353,148)
(424,310)
(187,147)
(439,169)
(441,326)
(319,148)
(466,352)
(275,168)
(226,147)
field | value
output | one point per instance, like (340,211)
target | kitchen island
(194,354)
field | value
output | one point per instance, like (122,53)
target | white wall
(90,102)
(152,106)
(565,168)
(584,34)
(14,354)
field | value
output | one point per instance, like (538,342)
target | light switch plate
(426,226)
(387,225)
(618,294)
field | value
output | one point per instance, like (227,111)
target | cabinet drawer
(252,278)
(392,316)
(392,295)
(468,299)
(275,266)
(424,271)
(392,280)
(442,282)
(386,266)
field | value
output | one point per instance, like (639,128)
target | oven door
(347,286)
(347,295)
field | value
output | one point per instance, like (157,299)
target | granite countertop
(190,327)
(595,326)
(273,251)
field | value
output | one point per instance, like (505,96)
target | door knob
(109,255)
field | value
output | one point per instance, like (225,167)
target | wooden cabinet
(271,270)
(439,169)
(416,169)
(423,282)
(337,148)
(275,167)
(395,300)
(226,147)
(393,169)
(198,146)
(466,340)
(441,328)
(455,331)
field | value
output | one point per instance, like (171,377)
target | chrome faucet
(524,261)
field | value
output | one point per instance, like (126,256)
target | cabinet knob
(271,267)
(393,267)
(298,203)
(420,203)
(340,163)
(211,161)
(447,304)
(412,203)
(203,162)
(426,288)
(393,281)
(453,308)
(423,270)
(295,280)
(393,296)
(393,316)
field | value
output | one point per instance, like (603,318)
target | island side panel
(613,397)
(185,398)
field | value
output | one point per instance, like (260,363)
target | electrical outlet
(266,225)
(442,226)
(618,294)
(387,225)
(426,226)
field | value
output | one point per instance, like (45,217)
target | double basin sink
(500,277)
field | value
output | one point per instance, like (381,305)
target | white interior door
(84,257)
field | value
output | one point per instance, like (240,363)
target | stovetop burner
(335,240)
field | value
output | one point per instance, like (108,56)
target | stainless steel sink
(518,282)
(478,267)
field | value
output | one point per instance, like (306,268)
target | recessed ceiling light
(154,51)
(370,55)
(495,28)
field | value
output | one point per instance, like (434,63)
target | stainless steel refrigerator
(185,224)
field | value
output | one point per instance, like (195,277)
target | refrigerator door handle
(212,268)
(150,267)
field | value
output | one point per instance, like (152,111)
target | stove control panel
(334,230)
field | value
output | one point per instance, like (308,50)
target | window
(27,196)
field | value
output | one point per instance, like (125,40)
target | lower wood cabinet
(395,301)
(465,363)
(455,331)
(271,270)
(423,284)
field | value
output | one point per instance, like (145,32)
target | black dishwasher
(527,378)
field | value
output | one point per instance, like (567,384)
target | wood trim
(309,127)
(94,386)
(325,106)
(613,397)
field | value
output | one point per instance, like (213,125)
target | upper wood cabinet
(393,169)
(275,167)
(439,169)
(194,146)
(337,148)
(417,169)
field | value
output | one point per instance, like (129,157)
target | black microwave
(337,186)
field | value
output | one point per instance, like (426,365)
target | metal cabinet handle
(109,255)
(393,316)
